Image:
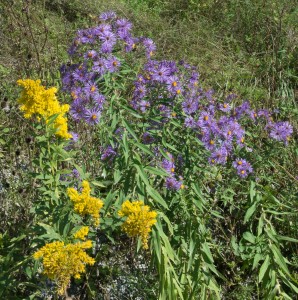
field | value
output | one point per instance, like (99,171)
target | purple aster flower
(144,105)
(190,122)
(242,109)
(205,120)
(90,89)
(140,89)
(108,40)
(106,16)
(123,27)
(243,167)
(194,78)
(150,47)
(130,43)
(76,93)
(98,100)
(209,95)
(90,54)
(102,29)
(226,107)
(85,36)
(161,73)
(168,164)
(92,116)
(219,156)
(173,184)
(190,106)
(173,85)
(77,110)
(74,136)
(281,131)
(112,64)
(99,66)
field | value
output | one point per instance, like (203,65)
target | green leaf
(279,259)
(156,171)
(257,258)
(144,148)
(156,196)
(98,183)
(249,237)
(264,267)
(250,212)
(130,130)
(206,251)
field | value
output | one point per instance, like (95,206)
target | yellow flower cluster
(61,262)
(81,233)
(35,99)
(139,220)
(85,204)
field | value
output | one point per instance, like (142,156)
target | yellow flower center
(178,92)
(93,88)
(174,83)
(94,117)
(206,118)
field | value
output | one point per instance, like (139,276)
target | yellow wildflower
(61,262)
(139,220)
(36,100)
(85,204)
(81,233)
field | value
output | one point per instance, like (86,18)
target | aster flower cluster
(139,220)
(84,204)
(36,100)
(94,49)
(162,90)
(61,262)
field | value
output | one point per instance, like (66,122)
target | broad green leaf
(250,212)
(205,250)
(257,258)
(279,259)
(249,237)
(264,267)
